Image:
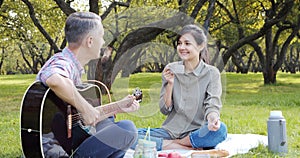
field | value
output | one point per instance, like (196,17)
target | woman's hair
(199,36)
(79,24)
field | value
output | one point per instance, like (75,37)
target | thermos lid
(276,113)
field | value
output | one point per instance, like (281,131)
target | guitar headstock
(137,92)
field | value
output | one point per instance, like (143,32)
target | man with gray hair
(62,73)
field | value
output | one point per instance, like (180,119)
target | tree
(2,56)
(292,62)
(25,39)
(273,49)
(275,20)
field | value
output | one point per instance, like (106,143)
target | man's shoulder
(61,57)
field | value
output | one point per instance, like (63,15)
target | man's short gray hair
(79,24)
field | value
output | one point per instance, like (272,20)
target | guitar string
(77,120)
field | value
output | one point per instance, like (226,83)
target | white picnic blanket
(234,144)
(242,143)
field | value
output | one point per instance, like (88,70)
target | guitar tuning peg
(137,92)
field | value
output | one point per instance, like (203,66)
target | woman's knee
(203,138)
(221,134)
(223,130)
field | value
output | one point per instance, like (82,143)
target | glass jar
(149,150)
(138,153)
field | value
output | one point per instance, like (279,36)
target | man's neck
(78,53)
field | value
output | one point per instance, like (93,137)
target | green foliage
(18,30)
(229,17)
(158,3)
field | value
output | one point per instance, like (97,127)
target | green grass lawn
(247,104)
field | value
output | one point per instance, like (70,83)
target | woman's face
(187,48)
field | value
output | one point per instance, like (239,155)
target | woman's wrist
(212,116)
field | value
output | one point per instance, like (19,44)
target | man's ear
(89,41)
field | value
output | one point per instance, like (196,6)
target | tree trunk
(270,77)
(100,71)
(92,65)
(2,58)
(104,73)
(269,74)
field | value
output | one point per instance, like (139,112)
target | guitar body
(43,112)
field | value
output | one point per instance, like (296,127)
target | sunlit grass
(246,106)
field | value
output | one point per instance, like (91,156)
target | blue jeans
(200,138)
(112,139)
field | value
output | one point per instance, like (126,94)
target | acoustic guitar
(42,112)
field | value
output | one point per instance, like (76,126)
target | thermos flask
(277,138)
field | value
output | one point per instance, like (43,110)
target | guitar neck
(114,107)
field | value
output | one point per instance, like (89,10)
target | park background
(255,44)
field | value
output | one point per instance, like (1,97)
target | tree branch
(39,26)
(113,5)
(258,51)
(286,44)
(65,7)
(197,8)
(24,58)
(94,7)
(231,17)
(267,25)
(1,2)
(144,35)
(209,14)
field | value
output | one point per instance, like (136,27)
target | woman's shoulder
(212,69)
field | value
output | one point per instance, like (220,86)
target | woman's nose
(181,46)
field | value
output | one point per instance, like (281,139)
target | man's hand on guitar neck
(127,104)
(130,104)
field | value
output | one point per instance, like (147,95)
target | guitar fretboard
(114,107)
